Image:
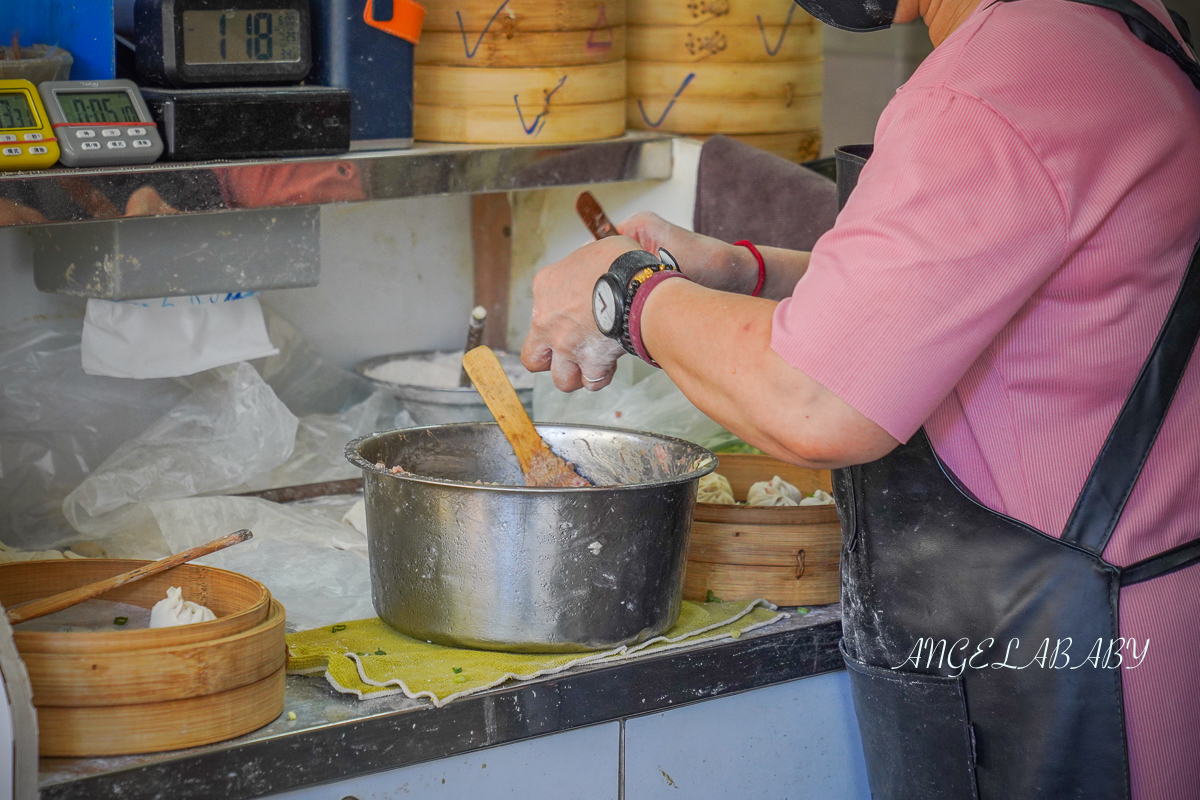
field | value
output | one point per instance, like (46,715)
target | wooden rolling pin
(57,602)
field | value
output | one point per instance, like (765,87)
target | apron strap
(1127,447)
(1124,453)
(1146,27)
(1173,560)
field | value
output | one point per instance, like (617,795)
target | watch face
(604,306)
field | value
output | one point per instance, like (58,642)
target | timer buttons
(137,132)
(8,137)
(116,145)
(33,137)
(90,145)
(141,142)
(39,150)
(12,151)
(108,133)
(85,133)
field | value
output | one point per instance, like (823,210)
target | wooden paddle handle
(57,602)
(593,216)
(497,390)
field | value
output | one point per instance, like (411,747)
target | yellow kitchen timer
(26,138)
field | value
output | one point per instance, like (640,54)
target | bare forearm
(716,346)
(784,270)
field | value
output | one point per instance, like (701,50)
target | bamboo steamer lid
(522,15)
(708,115)
(719,43)
(153,727)
(495,48)
(787,81)
(705,12)
(787,555)
(527,88)
(513,125)
(798,146)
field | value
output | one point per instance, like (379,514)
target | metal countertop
(336,736)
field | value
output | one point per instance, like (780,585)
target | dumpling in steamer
(819,498)
(715,488)
(775,492)
(174,610)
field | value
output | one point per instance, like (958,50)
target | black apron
(926,567)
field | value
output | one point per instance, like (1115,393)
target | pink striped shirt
(999,276)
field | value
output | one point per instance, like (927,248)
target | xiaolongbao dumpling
(775,492)
(819,498)
(174,610)
(715,488)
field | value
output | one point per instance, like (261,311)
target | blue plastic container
(375,65)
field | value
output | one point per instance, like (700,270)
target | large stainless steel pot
(528,569)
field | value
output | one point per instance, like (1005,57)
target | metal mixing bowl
(528,569)
(433,406)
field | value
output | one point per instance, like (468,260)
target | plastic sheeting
(635,400)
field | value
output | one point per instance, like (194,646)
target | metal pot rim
(706,461)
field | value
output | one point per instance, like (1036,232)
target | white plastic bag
(216,438)
(292,552)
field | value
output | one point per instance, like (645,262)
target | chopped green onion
(380,653)
(337,628)
(456,670)
(735,634)
(712,598)
(460,678)
(801,610)
(120,620)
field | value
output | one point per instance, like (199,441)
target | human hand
(707,261)
(563,337)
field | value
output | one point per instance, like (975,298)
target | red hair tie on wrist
(762,265)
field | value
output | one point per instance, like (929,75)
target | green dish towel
(366,658)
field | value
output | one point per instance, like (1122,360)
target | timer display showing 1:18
(241,36)
(98,107)
(15,112)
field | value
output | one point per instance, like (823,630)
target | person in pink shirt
(995,342)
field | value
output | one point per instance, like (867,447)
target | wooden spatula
(593,216)
(539,464)
(57,602)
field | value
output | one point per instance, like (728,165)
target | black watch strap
(629,264)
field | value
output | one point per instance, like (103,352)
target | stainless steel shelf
(66,195)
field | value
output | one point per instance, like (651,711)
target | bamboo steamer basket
(786,81)
(504,125)
(522,15)
(530,87)
(705,12)
(240,603)
(154,727)
(707,115)
(721,44)
(787,555)
(139,691)
(798,146)
(179,672)
(495,48)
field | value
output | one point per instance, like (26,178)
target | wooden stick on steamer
(57,602)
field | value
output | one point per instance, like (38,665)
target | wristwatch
(612,296)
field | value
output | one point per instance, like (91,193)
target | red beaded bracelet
(762,266)
(635,312)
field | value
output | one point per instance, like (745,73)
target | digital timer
(101,123)
(189,43)
(26,138)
